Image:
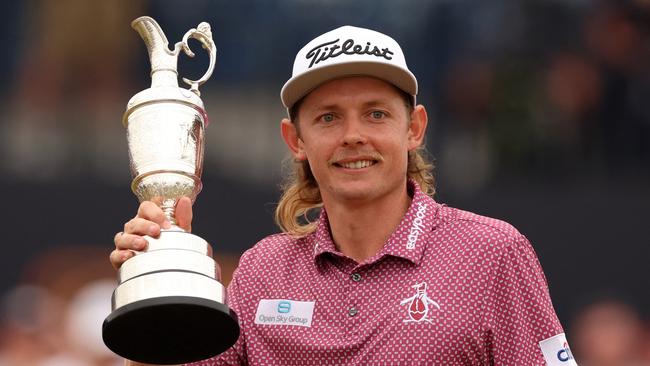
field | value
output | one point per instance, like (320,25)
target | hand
(148,221)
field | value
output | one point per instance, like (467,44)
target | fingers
(140,226)
(150,211)
(184,214)
(118,257)
(129,241)
(125,247)
(148,221)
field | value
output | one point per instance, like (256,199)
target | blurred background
(540,116)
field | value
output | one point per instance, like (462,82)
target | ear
(291,138)
(418,127)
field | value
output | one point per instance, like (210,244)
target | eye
(327,117)
(378,114)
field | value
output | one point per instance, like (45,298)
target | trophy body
(169,306)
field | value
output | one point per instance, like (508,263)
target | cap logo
(330,49)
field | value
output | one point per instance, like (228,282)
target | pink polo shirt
(449,288)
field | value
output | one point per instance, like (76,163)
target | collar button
(353,311)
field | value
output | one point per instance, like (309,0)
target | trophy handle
(203,34)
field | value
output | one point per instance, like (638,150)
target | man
(384,275)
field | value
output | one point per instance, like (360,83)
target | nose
(353,132)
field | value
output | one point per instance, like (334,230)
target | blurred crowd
(53,316)
(610,332)
(526,86)
(560,88)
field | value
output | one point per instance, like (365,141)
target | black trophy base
(170,330)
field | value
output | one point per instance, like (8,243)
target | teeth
(357,164)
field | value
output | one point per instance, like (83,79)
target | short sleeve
(519,313)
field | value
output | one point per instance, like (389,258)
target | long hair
(301,196)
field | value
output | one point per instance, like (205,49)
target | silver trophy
(168,307)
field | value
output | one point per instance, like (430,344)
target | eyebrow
(327,107)
(375,103)
(372,103)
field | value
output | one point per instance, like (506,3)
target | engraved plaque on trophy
(169,306)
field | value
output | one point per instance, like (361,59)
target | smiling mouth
(358,164)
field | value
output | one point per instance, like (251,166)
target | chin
(356,195)
(356,192)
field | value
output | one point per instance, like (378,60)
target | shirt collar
(321,239)
(407,241)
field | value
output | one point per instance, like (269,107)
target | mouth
(355,164)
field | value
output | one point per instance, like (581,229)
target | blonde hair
(301,196)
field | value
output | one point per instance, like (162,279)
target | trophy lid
(164,74)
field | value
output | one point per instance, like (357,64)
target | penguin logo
(419,304)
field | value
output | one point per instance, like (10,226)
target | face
(355,133)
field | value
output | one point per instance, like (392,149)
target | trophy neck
(169,209)
(163,78)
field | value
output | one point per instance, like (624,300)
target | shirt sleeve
(519,313)
(235,355)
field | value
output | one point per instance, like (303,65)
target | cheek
(399,145)
(315,156)
(317,145)
(399,152)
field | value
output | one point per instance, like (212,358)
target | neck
(360,229)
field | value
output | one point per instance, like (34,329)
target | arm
(519,312)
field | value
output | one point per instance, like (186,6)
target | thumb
(184,214)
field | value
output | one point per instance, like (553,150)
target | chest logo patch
(419,305)
(284,312)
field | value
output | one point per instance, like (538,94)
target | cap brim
(298,87)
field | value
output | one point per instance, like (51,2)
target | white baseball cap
(348,51)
